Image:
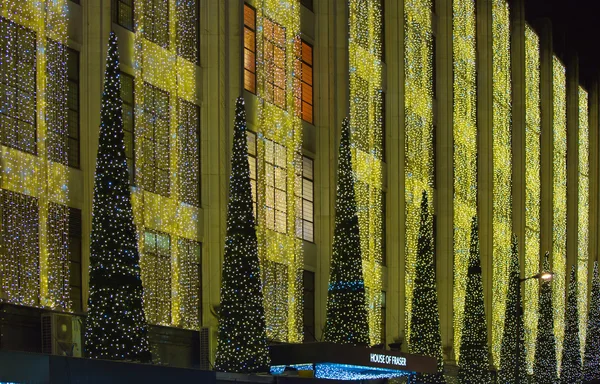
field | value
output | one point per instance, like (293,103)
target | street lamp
(543,276)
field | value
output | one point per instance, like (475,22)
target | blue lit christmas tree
(570,369)
(544,367)
(116,325)
(346,307)
(591,361)
(242,339)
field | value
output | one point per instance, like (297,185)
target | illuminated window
(251,136)
(17,86)
(122,13)
(383,229)
(190,256)
(73,108)
(75,258)
(187,30)
(274,55)
(308,281)
(189,152)
(156,22)
(156,141)
(303,80)
(276,186)
(304,192)
(249,48)
(156,276)
(127,95)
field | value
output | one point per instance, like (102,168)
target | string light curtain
(465,151)
(34,81)
(418,104)
(583,216)
(166,52)
(366,123)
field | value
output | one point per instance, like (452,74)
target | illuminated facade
(433,105)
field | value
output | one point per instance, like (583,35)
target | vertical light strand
(532,189)
(418,104)
(559,200)
(280,139)
(583,216)
(465,151)
(364,45)
(502,166)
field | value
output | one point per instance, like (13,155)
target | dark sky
(576,26)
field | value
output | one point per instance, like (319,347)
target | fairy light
(465,151)
(163,48)
(418,104)
(502,165)
(559,199)
(43,279)
(583,216)
(364,47)
(532,190)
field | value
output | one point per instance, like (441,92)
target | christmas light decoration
(591,361)
(465,151)
(502,166)
(347,319)
(426,339)
(366,123)
(115,325)
(570,371)
(532,188)
(583,227)
(559,203)
(34,91)
(513,332)
(279,132)
(166,198)
(335,371)
(545,362)
(473,365)
(418,128)
(242,342)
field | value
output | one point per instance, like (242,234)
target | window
(383,228)
(251,136)
(303,80)
(122,13)
(127,95)
(73,107)
(156,22)
(249,48)
(189,152)
(276,186)
(308,280)
(383,314)
(75,258)
(190,256)
(17,86)
(304,192)
(19,249)
(187,30)
(156,276)
(307,3)
(156,141)
(57,100)
(274,57)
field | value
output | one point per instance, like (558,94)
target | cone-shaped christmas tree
(346,309)
(425,336)
(544,368)
(512,361)
(473,362)
(116,325)
(570,369)
(591,361)
(242,340)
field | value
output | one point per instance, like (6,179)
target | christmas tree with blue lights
(425,337)
(242,338)
(346,304)
(116,326)
(473,363)
(544,366)
(591,360)
(570,369)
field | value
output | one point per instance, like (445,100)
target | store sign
(388,359)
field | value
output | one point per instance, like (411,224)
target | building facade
(464,99)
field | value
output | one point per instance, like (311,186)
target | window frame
(180,40)
(74,218)
(310,290)
(166,259)
(275,225)
(150,30)
(182,150)
(270,78)
(253,180)
(115,13)
(251,30)
(70,80)
(301,200)
(131,167)
(300,78)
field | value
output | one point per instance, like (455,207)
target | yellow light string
(583,217)
(465,151)
(364,47)
(418,104)
(502,166)
(532,190)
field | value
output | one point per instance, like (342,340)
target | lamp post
(544,276)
